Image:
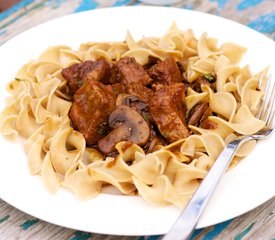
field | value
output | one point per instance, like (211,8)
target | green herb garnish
(18,79)
(145,116)
(209,77)
(79,83)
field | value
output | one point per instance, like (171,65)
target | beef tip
(134,78)
(181,67)
(115,76)
(168,110)
(206,79)
(100,71)
(166,72)
(77,74)
(152,60)
(92,105)
(117,89)
(199,114)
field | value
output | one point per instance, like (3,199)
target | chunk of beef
(168,110)
(152,60)
(181,67)
(92,105)
(77,74)
(117,89)
(166,72)
(100,71)
(115,77)
(134,78)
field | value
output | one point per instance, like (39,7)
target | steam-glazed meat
(151,96)
(166,72)
(77,74)
(168,110)
(93,103)
(134,78)
(117,89)
(100,71)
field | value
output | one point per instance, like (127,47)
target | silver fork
(188,219)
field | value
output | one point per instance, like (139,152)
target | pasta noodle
(40,102)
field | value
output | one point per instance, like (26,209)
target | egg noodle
(39,104)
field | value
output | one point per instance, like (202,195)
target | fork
(188,219)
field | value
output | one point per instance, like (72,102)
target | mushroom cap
(130,119)
(135,103)
(120,100)
(128,125)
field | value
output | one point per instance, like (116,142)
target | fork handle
(188,219)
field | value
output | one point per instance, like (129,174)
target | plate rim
(9,42)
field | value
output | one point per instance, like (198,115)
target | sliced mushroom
(199,114)
(154,142)
(127,125)
(196,113)
(121,98)
(136,104)
(205,122)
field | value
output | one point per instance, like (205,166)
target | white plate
(248,185)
